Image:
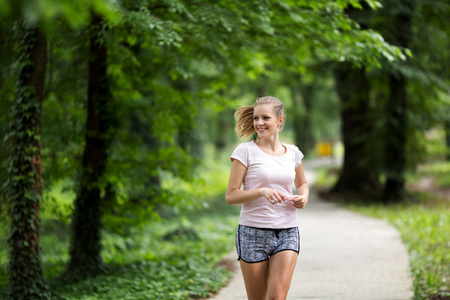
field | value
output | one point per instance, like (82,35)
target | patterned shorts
(259,244)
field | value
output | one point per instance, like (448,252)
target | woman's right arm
(235,195)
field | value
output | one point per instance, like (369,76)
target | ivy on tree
(26,277)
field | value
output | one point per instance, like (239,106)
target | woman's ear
(280,120)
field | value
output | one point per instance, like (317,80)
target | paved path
(344,255)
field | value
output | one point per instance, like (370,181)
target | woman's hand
(299,201)
(273,196)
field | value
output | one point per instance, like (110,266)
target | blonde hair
(244,115)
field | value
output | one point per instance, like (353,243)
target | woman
(267,238)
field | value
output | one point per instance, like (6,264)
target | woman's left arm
(301,184)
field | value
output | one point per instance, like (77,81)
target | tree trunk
(396,125)
(359,172)
(27,280)
(85,247)
(395,141)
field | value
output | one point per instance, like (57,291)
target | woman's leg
(281,269)
(255,278)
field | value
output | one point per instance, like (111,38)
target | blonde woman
(267,238)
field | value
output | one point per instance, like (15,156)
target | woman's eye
(255,118)
(266,118)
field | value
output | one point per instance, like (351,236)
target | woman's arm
(301,184)
(235,195)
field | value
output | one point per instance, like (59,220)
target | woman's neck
(272,145)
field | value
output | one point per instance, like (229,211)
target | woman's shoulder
(245,145)
(292,147)
(242,149)
(295,150)
(243,152)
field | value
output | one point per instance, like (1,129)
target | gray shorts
(259,244)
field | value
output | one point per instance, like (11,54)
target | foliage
(149,280)
(146,265)
(151,45)
(43,13)
(167,66)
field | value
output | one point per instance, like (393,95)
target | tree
(359,171)
(27,280)
(85,247)
(396,114)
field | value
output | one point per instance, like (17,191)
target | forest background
(118,124)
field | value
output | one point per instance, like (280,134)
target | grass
(423,220)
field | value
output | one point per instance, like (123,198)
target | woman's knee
(277,297)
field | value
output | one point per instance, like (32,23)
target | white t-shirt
(269,171)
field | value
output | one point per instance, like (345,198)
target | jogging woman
(267,238)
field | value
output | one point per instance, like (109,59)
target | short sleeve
(298,156)
(241,154)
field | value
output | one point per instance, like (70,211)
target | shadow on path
(344,255)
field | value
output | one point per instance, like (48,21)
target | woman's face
(265,121)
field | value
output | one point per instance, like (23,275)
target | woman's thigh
(255,278)
(281,269)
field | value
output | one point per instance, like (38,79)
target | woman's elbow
(228,199)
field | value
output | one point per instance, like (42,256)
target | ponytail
(244,121)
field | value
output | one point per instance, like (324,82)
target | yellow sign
(324,149)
